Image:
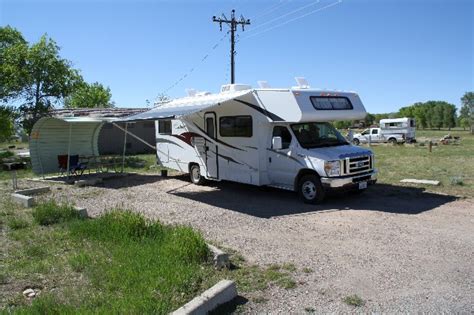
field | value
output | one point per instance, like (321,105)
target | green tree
(464,123)
(7,122)
(369,119)
(467,109)
(89,96)
(437,116)
(449,115)
(34,76)
(13,56)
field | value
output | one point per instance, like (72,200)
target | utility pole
(233,23)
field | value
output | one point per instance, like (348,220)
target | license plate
(362,185)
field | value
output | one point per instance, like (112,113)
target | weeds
(307,270)
(80,261)
(51,213)
(353,300)
(17,223)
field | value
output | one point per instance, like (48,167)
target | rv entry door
(212,166)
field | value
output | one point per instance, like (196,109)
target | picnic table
(101,163)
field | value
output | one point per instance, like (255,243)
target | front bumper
(338,182)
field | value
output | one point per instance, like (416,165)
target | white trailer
(405,127)
(275,137)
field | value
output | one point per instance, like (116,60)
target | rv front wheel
(356,141)
(195,175)
(310,189)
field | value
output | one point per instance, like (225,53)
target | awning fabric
(185,106)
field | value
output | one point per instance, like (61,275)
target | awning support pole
(69,149)
(124,146)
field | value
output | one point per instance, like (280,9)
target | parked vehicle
(274,137)
(396,130)
(376,135)
(405,126)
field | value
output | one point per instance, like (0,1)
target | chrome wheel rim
(309,190)
(196,174)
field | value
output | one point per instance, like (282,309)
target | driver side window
(284,133)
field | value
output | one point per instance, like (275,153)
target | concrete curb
(82,212)
(33,191)
(223,292)
(25,201)
(221,259)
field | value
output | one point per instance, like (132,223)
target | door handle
(269,160)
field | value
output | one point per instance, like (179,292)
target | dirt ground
(400,249)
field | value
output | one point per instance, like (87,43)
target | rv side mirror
(276,143)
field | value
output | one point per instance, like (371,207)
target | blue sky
(393,53)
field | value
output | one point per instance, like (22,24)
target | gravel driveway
(399,249)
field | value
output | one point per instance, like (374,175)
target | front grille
(357,165)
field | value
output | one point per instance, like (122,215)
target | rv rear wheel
(392,141)
(195,175)
(310,189)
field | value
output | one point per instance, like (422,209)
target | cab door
(374,135)
(210,148)
(281,165)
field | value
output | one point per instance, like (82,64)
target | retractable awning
(185,106)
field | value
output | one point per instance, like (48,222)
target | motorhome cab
(275,137)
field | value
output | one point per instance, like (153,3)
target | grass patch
(16,223)
(51,213)
(353,300)
(80,261)
(452,165)
(120,262)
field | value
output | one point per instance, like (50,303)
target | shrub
(51,213)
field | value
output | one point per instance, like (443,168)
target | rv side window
(412,123)
(235,126)
(284,133)
(164,127)
(331,102)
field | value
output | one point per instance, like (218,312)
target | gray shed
(51,137)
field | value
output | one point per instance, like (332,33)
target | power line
(293,19)
(270,9)
(284,15)
(191,70)
(232,23)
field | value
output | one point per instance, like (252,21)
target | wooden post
(430,145)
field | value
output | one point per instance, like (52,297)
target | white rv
(275,137)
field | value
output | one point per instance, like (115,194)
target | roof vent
(203,93)
(191,92)
(302,82)
(263,84)
(234,87)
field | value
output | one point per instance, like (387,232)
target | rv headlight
(332,168)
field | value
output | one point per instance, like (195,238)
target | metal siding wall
(50,138)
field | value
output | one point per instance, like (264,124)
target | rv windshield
(317,134)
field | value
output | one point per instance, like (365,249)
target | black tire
(355,141)
(392,141)
(195,175)
(310,189)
